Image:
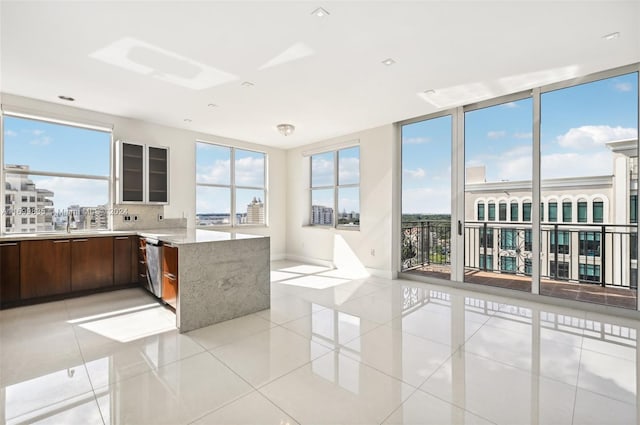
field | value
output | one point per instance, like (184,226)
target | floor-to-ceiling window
(498,173)
(587,145)
(426,196)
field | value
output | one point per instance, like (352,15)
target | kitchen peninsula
(221,275)
(208,276)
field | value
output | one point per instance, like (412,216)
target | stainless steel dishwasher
(154,266)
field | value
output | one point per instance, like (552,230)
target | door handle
(459,228)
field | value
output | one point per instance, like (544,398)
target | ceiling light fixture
(247,84)
(212,105)
(286,129)
(187,120)
(67,98)
(320,12)
(388,61)
(430,91)
(611,36)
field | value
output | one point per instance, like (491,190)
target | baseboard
(278,257)
(382,273)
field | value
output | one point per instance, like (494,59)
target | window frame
(336,186)
(4,171)
(233,187)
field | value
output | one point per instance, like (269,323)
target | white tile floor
(332,350)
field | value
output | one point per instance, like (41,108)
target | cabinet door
(9,272)
(122,260)
(158,174)
(142,262)
(134,259)
(170,275)
(132,173)
(91,263)
(45,268)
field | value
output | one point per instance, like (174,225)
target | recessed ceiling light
(320,12)
(247,84)
(212,105)
(430,91)
(611,36)
(187,120)
(388,61)
(67,98)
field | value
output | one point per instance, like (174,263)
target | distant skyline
(576,123)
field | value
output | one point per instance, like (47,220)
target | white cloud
(37,132)
(416,140)
(576,164)
(69,191)
(41,141)
(322,171)
(418,173)
(349,170)
(498,134)
(623,87)
(250,171)
(510,105)
(594,135)
(526,136)
(218,173)
(10,133)
(430,200)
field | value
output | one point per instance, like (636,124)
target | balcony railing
(602,254)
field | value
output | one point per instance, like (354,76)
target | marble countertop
(174,236)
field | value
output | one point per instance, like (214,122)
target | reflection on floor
(333,348)
(593,293)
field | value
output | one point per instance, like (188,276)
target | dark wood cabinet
(9,272)
(91,263)
(122,260)
(142,262)
(170,275)
(45,268)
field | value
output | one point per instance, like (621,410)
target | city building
(28,209)
(321,215)
(255,212)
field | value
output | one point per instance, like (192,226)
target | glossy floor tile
(334,348)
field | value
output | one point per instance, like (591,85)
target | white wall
(182,161)
(312,243)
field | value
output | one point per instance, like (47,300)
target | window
(508,239)
(559,269)
(563,242)
(528,266)
(492,211)
(589,244)
(589,272)
(633,209)
(508,264)
(335,191)
(514,211)
(230,186)
(488,240)
(59,169)
(526,211)
(582,212)
(528,240)
(486,262)
(502,211)
(553,211)
(598,212)
(481,211)
(633,246)
(542,211)
(566,212)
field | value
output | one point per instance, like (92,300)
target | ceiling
(167,61)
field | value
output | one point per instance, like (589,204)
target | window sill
(341,228)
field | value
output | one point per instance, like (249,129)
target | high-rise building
(28,209)
(321,214)
(255,212)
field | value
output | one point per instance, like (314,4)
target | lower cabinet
(125,260)
(170,275)
(91,263)
(45,268)
(9,272)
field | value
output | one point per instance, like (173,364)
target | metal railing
(603,254)
(426,243)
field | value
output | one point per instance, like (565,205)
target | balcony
(587,262)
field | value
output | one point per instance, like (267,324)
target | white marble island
(221,275)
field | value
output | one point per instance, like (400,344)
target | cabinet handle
(81,240)
(120,238)
(170,276)
(9,244)
(65,241)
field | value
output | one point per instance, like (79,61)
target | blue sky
(576,123)
(51,147)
